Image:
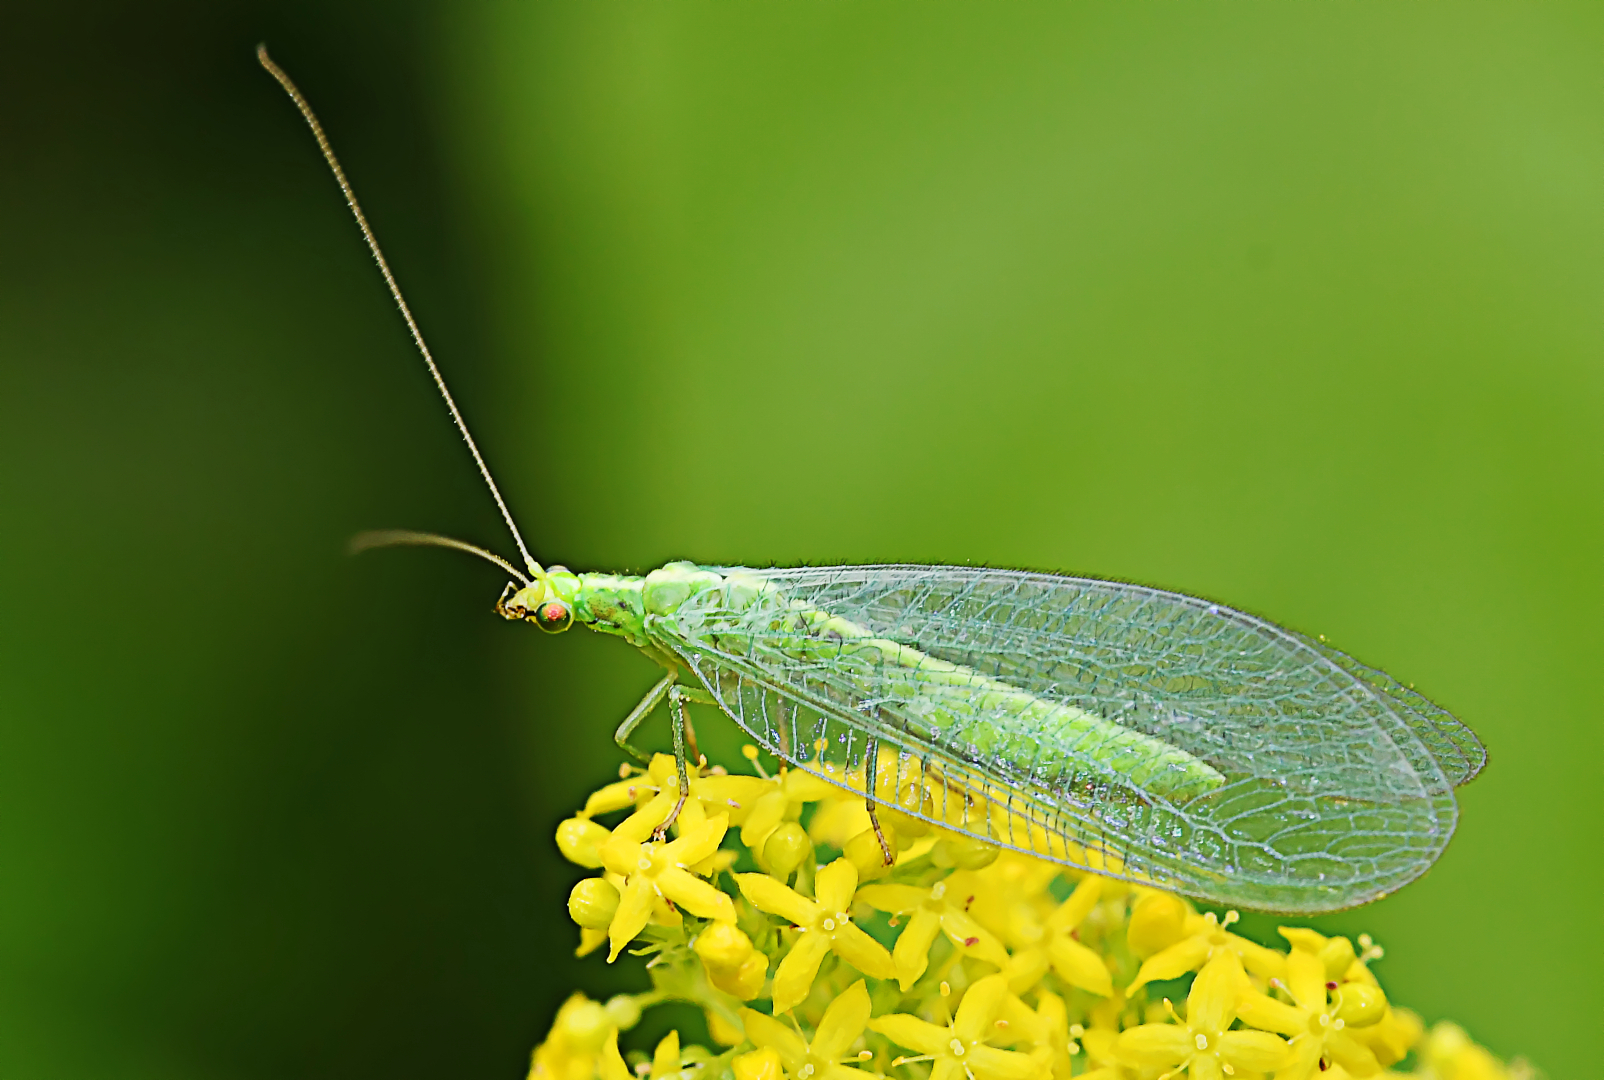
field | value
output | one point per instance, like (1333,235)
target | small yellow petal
(800,786)
(1079,966)
(842,1023)
(763,1064)
(617,795)
(1351,1054)
(767,1032)
(1255,1051)
(698,841)
(611,1064)
(1188,954)
(1261,1011)
(863,952)
(979,1008)
(896,899)
(1302,938)
(1211,1003)
(794,977)
(1393,1036)
(1154,1045)
(1306,979)
(721,1030)
(915,1034)
(989,1063)
(834,885)
(695,895)
(1025,969)
(634,911)
(769,895)
(665,1059)
(973,938)
(1079,905)
(912,953)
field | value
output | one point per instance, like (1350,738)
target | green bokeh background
(1296,306)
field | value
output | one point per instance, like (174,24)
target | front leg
(638,714)
(676,712)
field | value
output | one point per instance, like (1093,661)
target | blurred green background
(1296,306)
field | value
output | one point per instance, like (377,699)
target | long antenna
(405,537)
(395,291)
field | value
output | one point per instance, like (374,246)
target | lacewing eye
(554,616)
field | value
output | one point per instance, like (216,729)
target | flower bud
(623,1011)
(593,903)
(864,852)
(723,945)
(964,852)
(909,828)
(744,982)
(786,849)
(761,1064)
(580,841)
(1359,1004)
(1157,922)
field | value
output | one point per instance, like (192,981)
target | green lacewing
(1133,732)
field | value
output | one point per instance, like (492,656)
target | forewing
(1334,783)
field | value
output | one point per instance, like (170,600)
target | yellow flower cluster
(772,909)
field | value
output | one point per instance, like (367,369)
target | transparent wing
(1140,733)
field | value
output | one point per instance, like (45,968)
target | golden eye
(554,616)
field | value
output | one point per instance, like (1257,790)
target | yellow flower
(656,871)
(1314,1013)
(961,1049)
(842,1024)
(1317,1023)
(576,1042)
(1044,1029)
(826,927)
(1452,1055)
(1012,899)
(1202,1043)
(941,908)
(1205,938)
(1074,962)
